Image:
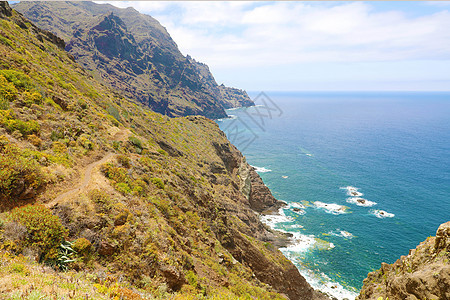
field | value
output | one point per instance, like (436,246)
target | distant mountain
(135,55)
(228,97)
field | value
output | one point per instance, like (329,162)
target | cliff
(423,274)
(228,97)
(132,53)
(153,206)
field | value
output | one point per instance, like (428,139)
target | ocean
(366,175)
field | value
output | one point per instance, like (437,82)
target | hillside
(134,54)
(132,203)
(423,274)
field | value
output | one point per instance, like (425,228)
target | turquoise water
(393,147)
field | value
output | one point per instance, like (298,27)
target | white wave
(361,201)
(261,169)
(272,220)
(300,243)
(381,214)
(341,233)
(233,108)
(352,191)
(296,205)
(331,208)
(295,226)
(324,283)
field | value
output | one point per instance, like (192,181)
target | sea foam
(322,282)
(381,214)
(361,201)
(352,191)
(261,169)
(331,208)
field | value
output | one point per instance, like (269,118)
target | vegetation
(155,222)
(44,230)
(17,171)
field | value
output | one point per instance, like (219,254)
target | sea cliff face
(228,97)
(135,55)
(422,274)
(154,206)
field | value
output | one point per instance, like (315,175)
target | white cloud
(238,35)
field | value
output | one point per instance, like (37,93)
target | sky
(313,45)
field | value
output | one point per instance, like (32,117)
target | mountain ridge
(165,80)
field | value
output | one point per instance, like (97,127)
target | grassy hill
(114,200)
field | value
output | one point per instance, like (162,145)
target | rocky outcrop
(233,97)
(423,274)
(261,199)
(228,97)
(6,12)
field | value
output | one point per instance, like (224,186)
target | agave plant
(65,253)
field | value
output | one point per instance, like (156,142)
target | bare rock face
(423,274)
(261,199)
(228,97)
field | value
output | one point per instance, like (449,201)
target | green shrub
(56,135)
(32,98)
(136,142)
(7,90)
(45,230)
(162,152)
(85,142)
(158,182)
(82,103)
(123,188)
(11,123)
(113,111)
(192,279)
(19,79)
(124,161)
(6,41)
(114,173)
(17,172)
(4,104)
(82,246)
(99,196)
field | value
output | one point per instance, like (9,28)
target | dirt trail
(86,180)
(119,135)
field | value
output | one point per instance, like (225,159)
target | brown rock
(106,249)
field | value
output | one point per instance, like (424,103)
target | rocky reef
(422,274)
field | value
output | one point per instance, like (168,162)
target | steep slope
(155,207)
(228,97)
(423,274)
(131,52)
